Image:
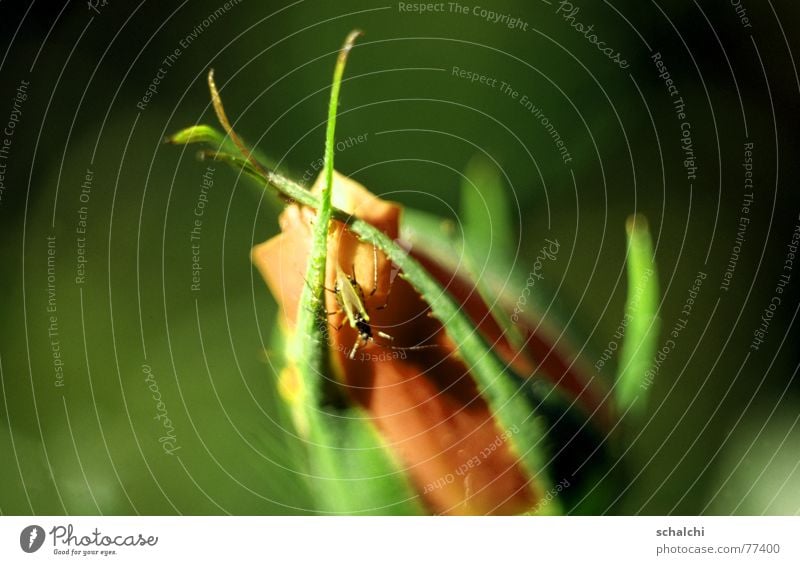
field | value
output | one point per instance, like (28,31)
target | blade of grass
(308,347)
(641,334)
(488,237)
(311,302)
(353,471)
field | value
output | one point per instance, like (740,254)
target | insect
(351,300)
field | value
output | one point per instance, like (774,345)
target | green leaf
(362,477)
(488,238)
(641,309)
(488,233)
(202,133)
(354,471)
(311,316)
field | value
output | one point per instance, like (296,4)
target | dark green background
(718,437)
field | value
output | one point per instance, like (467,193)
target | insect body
(351,300)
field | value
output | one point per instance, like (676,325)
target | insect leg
(375,279)
(384,335)
(356,347)
(325,287)
(374,270)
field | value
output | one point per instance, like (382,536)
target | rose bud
(406,374)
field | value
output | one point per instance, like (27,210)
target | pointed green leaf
(489,242)
(488,227)
(354,471)
(641,309)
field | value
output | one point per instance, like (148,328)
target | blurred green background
(721,431)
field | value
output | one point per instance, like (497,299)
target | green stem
(311,301)
(308,349)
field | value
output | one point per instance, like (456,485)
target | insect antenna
(331,290)
(398,348)
(411,348)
